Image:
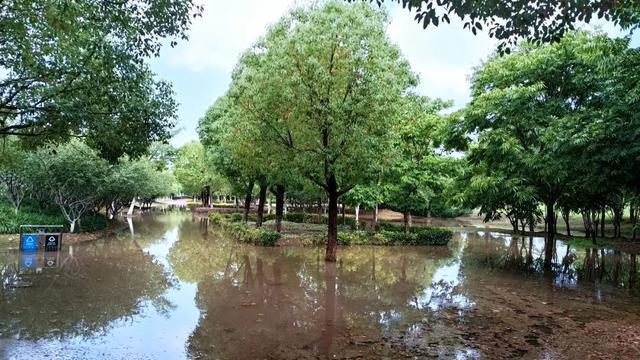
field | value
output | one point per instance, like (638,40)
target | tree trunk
(566,215)
(72,226)
(375,217)
(279,193)
(551,233)
(603,215)
(407,222)
(357,210)
(262,198)
(206,196)
(132,206)
(632,219)
(269,207)
(247,201)
(332,228)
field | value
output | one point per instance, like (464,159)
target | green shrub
(10,221)
(260,237)
(419,236)
(385,226)
(215,218)
(92,222)
(432,236)
(265,237)
(235,217)
(297,217)
(354,238)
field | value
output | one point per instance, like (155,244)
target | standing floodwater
(179,289)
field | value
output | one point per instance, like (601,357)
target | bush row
(421,237)
(243,233)
(295,217)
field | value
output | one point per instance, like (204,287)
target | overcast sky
(200,69)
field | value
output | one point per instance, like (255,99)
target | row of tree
(322,107)
(78,70)
(73,177)
(554,126)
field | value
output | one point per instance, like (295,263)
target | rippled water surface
(180,289)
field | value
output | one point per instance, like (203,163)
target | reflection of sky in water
(161,328)
(169,326)
(445,284)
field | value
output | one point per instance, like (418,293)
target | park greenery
(83,120)
(323,113)
(538,21)
(72,183)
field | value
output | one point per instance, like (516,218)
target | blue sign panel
(29,242)
(28,261)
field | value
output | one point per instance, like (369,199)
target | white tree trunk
(131,230)
(72,225)
(269,207)
(357,213)
(132,206)
(375,215)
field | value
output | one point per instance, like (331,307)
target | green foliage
(510,21)
(235,217)
(215,218)
(10,221)
(419,236)
(540,116)
(193,171)
(74,178)
(298,217)
(260,237)
(422,236)
(314,97)
(78,69)
(418,174)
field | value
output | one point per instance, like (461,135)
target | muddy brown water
(179,289)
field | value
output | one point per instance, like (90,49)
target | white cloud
(225,30)
(443,56)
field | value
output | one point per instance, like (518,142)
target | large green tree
(416,175)
(528,112)
(71,175)
(325,83)
(77,68)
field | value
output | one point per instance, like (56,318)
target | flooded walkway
(177,289)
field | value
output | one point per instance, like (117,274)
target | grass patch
(586,243)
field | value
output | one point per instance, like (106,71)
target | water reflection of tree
(287,303)
(609,267)
(100,282)
(516,255)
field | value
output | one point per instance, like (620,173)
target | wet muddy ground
(179,289)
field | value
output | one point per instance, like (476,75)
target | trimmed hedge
(419,237)
(259,237)
(215,218)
